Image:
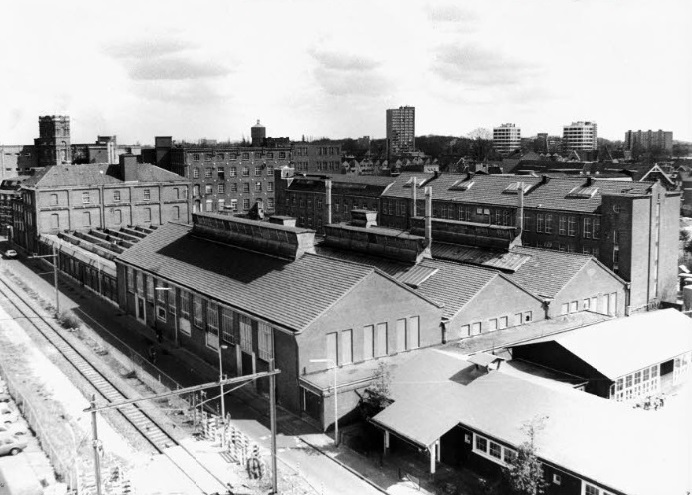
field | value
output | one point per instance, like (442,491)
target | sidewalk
(302,447)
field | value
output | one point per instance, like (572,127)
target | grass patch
(68,320)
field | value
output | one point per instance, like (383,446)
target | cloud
(340,74)
(175,69)
(477,67)
(450,14)
(344,62)
(145,49)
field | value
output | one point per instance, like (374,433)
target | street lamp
(221,398)
(336,409)
(55,276)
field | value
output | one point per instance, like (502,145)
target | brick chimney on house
(414,186)
(428,217)
(128,167)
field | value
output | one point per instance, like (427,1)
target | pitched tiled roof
(434,392)
(488,189)
(624,345)
(96,174)
(291,294)
(547,271)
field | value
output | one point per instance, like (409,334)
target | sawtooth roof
(96,174)
(289,293)
(488,189)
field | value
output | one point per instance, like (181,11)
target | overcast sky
(138,69)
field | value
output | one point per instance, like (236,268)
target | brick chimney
(520,208)
(414,186)
(128,167)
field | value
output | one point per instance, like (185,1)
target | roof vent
(583,192)
(462,185)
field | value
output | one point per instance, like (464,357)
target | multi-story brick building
(579,136)
(317,157)
(53,144)
(625,225)
(401,131)
(74,197)
(647,140)
(304,197)
(506,138)
(9,193)
(17,160)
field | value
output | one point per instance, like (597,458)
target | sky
(212,68)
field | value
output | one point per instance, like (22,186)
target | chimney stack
(128,167)
(328,200)
(414,186)
(520,208)
(428,216)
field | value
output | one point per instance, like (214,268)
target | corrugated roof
(96,174)
(623,345)
(435,391)
(291,294)
(417,275)
(488,189)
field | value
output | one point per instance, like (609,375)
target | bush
(68,320)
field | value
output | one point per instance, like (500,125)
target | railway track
(109,391)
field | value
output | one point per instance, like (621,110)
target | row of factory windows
(216,320)
(210,205)
(232,172)
(493,324)
(233,187)
(246,155)
(340,348)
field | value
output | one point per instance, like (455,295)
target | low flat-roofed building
(260,288)
(623,359)
(468,416)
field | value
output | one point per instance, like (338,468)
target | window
(221,173)
(195,173)
(476,328)
(258,186)
(270,187)
(161,313)
(245,334)
(170,295)
(401,335)
(333,347)
(228,331)
(504,322)
(150,288)
(270,168)
(246,170)
(258,171)
(207,189)
(557,479)
(86,219)
(234,187)
(221,204)
(573,306)
(381,340)
(147,215)
(232,172)
(540,222)
(53,199)
(185,304)
(509,455)
(368,342)
(346,356)
(116,196)
(221,188)
(481,444)
(596,228)
(147,194)
(246,187)
(465,331)
(55,221)
(270,203)
(528,315)
(495,450)
(198,311)
(234,204)
(195,190)
(161,293)
(492,324)
(586,233)
(264,342)
(213,317)
(548,223)
(195,157)
(85,198)
(207,157)
(413,333)
(209,205)
(246,204)
(130,280)
(571,226)
(246,156)
(176,213)
(562,225)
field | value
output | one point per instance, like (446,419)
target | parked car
(9,413)
(10,253)
(11,445)
(14,429)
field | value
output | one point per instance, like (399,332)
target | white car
(8,413)
(11,445)
(14,429)
(10,253)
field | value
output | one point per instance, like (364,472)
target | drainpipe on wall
(428,216)
(520,209)
(328,200)
(414,186)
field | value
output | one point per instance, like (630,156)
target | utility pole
(97,455)
(272,422)
(55,280)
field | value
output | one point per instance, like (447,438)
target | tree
(524,472)
(377,395)
(482,145)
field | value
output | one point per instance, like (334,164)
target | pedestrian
(159,335)
(152,354)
